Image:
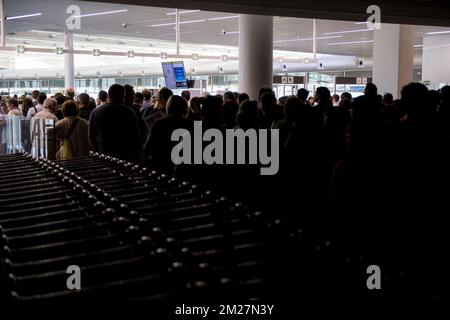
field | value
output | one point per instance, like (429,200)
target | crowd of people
(369,171)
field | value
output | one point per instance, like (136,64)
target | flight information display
(174,75)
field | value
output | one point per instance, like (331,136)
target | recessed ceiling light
(122,42)
(52,35)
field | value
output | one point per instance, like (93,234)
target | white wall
(436,60)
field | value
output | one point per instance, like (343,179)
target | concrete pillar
(69,66)
(393,53)
(436,60)
(255,53)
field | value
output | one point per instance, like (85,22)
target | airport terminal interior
(313,152)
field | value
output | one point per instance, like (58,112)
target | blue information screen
(174,75)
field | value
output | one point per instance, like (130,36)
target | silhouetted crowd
(370,173)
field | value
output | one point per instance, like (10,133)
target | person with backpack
(72,132)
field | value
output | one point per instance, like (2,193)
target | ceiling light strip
(24,16)
(100,13)
(182,12)
(222,18)
(347,31)
(438,32)
(349,42)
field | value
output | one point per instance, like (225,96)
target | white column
(69,67)
(436,60)
(393,53)
(255,53)
(2,23)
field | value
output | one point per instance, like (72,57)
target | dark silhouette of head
(42,97)
(323,95)
(83,100)
(242,97)
(186,94)
(388,99)
(302,94)
(116,94)
(129,95)
(415,100)
(102,96)
(247,116)
(177,106)
(371,89)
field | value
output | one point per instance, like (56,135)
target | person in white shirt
(48,111)
(13,107)
(38,107)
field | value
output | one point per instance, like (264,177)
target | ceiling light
(26,42)
(194,56)
(119,73)
(131,54)
(36,76)
(418,45)
(419,73)
(173,23)
(222,18)
(163,55)
(59,50)
(98,73)
(24,16)
(192,21)
(100,13)
(52,35)
(229,32)
(122,42)
(181,12)
(96,52)
(349,42)
(143,73)
(347,31)
(20,49)
(438,32)
(224,57)
(307,39)
(78,75)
